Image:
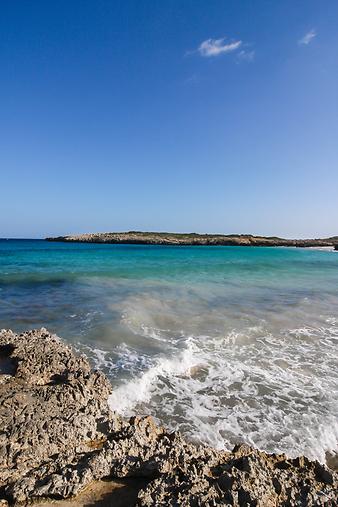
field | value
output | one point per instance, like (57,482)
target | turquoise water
(226,344)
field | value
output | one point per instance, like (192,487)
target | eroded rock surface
(57,435)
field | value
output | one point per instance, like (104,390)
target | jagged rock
(58,435)
(53,407)
(245,477)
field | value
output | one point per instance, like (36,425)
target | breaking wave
(277,392)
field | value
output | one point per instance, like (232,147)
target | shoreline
(62,441)
(192,239)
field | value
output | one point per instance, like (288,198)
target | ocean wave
(126,397)
(275,392)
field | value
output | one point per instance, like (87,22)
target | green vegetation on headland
(169,238)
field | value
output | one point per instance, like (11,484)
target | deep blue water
(224,343)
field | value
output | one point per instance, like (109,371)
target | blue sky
(185,115)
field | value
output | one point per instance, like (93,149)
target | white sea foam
(139,390)
(323,248)
(278,393)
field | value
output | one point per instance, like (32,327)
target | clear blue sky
(175,115)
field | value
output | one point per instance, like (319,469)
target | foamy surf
(129,395)
(248,386)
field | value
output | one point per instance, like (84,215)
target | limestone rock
(57,435)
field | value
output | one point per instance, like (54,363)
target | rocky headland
(59,438)
(168,238)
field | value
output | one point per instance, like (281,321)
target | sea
(225,344)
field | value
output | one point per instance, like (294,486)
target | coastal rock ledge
(58,435)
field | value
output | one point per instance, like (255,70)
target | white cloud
(248,56)
(215,47)
(308,37)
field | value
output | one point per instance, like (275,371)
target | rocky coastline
(164,238)
(59,438)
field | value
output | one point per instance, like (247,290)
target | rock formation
(58,435)
(168,238)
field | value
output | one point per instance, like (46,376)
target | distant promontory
(191,239)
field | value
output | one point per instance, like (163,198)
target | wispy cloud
(215,47)
(192,80)
(307,37)
(246,55)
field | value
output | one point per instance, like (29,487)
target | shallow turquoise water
(227,344)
